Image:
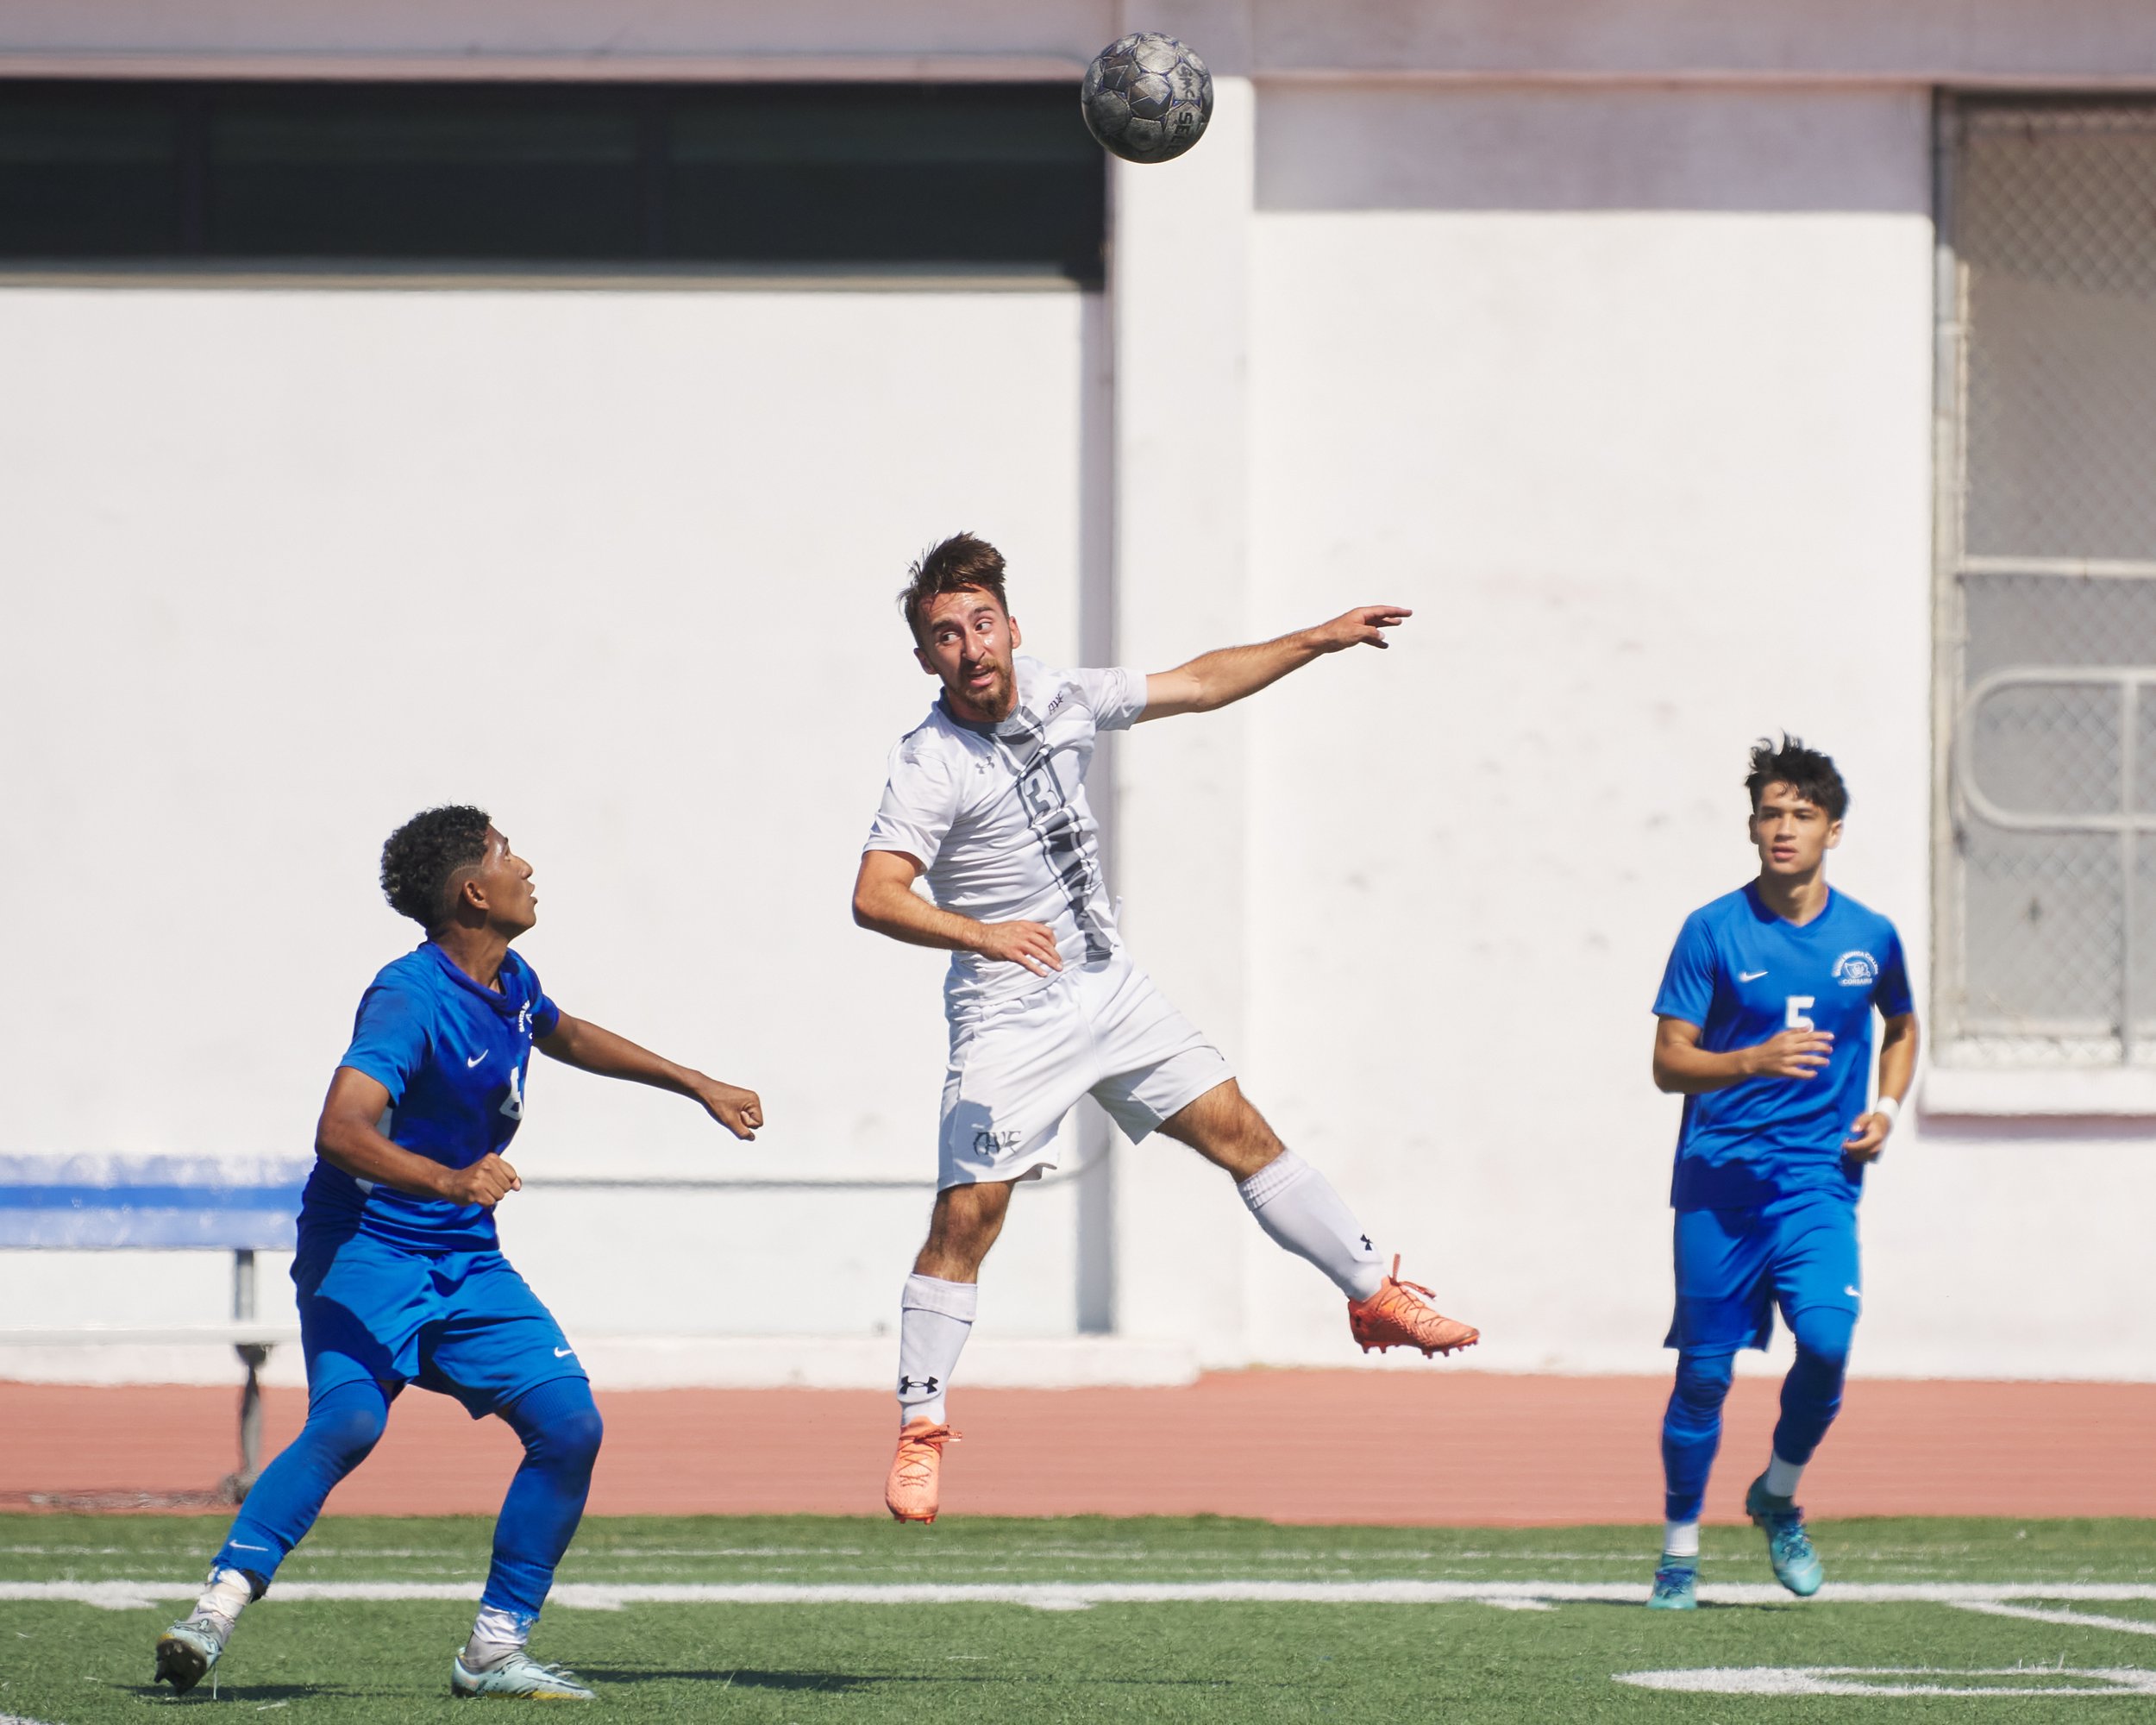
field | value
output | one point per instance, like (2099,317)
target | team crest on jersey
(524,1019)
(1856,969)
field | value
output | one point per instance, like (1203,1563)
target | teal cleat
(1676,1585)
(519,1677)
(1797,1565)
(187,1651)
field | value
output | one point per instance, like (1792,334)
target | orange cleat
(1393,1317)
(913,1491)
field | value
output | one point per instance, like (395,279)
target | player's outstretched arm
(1898,1067)
(348,1136)
(1213,679)
(1682,1068)
(592,1048)
(884,900)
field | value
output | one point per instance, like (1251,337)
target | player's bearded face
(1792,833)
(969,641)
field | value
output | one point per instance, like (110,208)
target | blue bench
(93,1203)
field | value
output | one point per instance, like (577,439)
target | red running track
(1454,1447)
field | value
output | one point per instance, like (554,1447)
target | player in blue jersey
(400,1277)
(1764,1028)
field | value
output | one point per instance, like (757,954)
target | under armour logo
(1367,1246)
(927,1384)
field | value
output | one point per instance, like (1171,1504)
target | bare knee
(1224,1127)
(962,1228)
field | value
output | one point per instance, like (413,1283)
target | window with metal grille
(2046,888)
(987,179)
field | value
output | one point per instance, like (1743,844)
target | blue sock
(561,1427)
(1692,1430)
(341,1428)
(1811,1393)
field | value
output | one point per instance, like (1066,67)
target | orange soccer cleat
(1393,1317)
(913,1491)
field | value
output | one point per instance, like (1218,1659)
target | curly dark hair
(961,563)
(424,853)
(1810,773)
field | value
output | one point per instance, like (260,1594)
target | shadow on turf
(840,1683)
(835,1682)
(262,1694)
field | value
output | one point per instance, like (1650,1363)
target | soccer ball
(1146,97)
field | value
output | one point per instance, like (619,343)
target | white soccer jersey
(998,817)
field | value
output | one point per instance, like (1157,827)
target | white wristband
(1888,1105)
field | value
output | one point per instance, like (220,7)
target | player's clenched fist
(1869,1137)
(741,1111)
(486,1183)
(1794,1054)
(1030,943)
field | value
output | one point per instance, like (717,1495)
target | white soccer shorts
(1016,1072)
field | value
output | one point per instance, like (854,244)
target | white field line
(1057,1596)
(1892,1680)
(1993,1607)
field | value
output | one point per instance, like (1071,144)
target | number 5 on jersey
(1796,1019)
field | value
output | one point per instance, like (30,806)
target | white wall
(1599,333)
(1653,467)
(286,566)
(1643,432)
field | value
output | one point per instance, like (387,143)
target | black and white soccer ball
(1146,97)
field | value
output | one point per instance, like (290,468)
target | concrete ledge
(203,1354)
(871,1362)
(234,1334)
(2094,1093)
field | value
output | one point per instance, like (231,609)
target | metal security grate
(2046,880)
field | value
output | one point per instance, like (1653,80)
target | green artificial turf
(67,1663)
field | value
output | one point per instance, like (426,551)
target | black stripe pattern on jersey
(1024,741)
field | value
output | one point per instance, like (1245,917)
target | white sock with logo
(229,1593)
(1782,1476)
(1680,1540)
(935,1318)
(496,1634)
(1297,1206)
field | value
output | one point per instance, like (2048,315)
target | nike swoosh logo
(565,1353)
(238,1546)
(481,1055)
(1853,1293)
(1749,975)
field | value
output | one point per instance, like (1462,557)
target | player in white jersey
(986,798)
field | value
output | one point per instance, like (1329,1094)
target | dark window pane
(416,170)
(951,174)
(993,178)
(88,174)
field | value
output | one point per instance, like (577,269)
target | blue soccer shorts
(1735,1267)
(462,1323)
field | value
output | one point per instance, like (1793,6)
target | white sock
(1680,1540)
(1297,1206)
(935,1318)
(229,1594)
(496,1634)
(1782,1476)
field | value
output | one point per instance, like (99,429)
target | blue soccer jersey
(1744,974)
(452,1054)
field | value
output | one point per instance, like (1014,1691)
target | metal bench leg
(252,1355)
